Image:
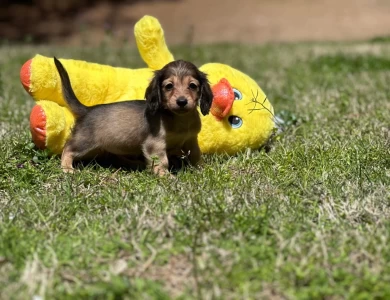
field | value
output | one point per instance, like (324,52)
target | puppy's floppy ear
(206,94)
(153,94)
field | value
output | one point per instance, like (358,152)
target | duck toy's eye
(237,94)
(235,122)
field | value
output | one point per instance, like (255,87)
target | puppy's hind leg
(77,149)
(67,159)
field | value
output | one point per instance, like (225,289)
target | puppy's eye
(237,94)
(235,122)
(193,86)
(168,86)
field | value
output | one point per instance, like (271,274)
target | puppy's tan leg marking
(67,160)
(156,156)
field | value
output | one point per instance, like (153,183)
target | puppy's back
(120,128)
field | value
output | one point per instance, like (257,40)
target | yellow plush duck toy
(241,116)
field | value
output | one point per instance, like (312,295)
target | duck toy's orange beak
(223,99)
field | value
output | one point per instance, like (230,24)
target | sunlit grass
(308,220)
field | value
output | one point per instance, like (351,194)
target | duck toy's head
(240,117)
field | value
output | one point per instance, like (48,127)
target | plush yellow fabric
(92,83)
(58,125)
(151,43)
(96,84)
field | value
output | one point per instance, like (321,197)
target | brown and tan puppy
(167,123)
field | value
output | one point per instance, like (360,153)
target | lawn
(308,220)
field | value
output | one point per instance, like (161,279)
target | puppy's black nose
(181,101)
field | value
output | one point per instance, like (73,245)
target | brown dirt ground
(248,21)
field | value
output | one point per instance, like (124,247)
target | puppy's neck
(177,123)
(189,116)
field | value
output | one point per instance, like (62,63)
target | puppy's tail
(76,106)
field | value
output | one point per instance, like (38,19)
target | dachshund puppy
(164,125)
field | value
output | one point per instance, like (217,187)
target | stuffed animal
(241,116)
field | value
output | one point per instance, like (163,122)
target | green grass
(308,220)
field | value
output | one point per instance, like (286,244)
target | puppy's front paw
(161,172)
(68,170)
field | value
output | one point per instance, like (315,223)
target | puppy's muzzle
(181,102)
